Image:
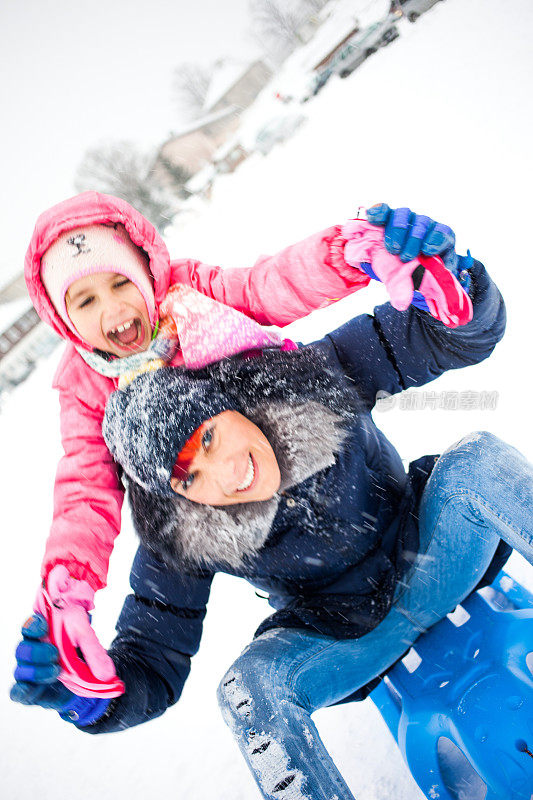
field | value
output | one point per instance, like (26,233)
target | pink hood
(90,208)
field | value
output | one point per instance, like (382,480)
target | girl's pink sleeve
(88,494)
(284,287)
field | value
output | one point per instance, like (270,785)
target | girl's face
(235,464)
(109,312)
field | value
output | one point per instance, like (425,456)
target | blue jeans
(480,490)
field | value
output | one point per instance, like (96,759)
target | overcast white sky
(75,74)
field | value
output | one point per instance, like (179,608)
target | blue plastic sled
(463,718)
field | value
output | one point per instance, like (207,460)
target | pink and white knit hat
(89,250)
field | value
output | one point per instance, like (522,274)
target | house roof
(200,123)
(226,75)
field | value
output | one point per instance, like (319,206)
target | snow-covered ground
(440,120)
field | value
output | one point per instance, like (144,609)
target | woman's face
(235,464)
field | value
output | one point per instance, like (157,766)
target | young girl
(98,272)
(272,469)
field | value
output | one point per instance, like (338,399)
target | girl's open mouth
(128,335)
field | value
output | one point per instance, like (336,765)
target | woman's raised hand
(414,257)
(408,234)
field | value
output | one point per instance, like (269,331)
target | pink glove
(446,299)
(65,604)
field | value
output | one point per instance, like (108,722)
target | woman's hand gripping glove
(414,257)
(37,683)
(86,668)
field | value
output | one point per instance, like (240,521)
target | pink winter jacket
(277,290)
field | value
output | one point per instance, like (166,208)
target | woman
(271,468)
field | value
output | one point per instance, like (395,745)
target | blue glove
(36,676)
(408,235)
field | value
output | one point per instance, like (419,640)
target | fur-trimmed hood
(147,424)
(305,439)
(90,208)
(301,405)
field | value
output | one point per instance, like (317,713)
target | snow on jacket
(277,290)
(340,539)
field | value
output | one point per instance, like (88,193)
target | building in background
(24,338)
(236,84)
(193,147)
(15,289)
(234,87)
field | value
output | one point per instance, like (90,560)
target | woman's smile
(251,477)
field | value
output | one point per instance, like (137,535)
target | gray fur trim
(304,438)
(210,535)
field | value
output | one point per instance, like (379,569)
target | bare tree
(120,169)
(275,23)
(190,85)
(314,5)
(177,175)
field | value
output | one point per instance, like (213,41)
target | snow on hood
(90,208)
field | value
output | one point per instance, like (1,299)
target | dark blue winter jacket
(340,539)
